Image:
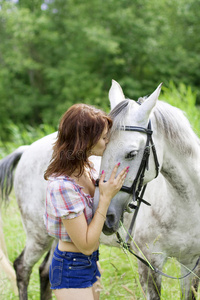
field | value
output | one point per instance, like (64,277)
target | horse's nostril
(110,220)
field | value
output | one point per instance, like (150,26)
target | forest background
(54,53)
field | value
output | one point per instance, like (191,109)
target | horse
(30,192)
(170,226)
(30,189)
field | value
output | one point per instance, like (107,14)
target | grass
(120,278)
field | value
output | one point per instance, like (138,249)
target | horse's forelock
(118,113)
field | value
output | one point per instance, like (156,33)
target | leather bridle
(137,191)
(139,179)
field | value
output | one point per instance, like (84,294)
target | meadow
(119,269)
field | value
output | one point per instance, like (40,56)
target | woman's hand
(111,187)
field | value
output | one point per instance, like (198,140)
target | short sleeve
(63,200)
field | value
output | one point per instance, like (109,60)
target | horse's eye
(131,154)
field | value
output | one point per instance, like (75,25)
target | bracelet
(101,214)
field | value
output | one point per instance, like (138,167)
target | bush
(184,98)
(23,135)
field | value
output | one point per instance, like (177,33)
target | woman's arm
(86,237)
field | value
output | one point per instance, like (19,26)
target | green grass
(119,269)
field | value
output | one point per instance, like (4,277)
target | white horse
(170,227)
(165,227)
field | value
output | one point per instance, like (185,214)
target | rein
(137,191)
(156,270)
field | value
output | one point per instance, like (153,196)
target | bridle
(139,179)
(137,191)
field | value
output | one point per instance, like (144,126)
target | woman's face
(100,146)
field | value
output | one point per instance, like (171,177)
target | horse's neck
(182,172)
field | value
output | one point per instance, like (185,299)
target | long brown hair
(80,129)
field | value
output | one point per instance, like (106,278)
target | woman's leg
(74,294)
(96,290)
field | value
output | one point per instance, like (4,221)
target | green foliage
(184,98)
(22,135)
(69,51)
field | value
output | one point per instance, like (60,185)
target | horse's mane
(171,121)
(177,129)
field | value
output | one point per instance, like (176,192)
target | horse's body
(30,192)
(170,227)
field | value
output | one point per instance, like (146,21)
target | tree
(69,51)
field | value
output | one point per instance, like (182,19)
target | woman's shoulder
(60,182)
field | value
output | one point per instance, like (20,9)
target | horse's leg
(22,279)
(45,291)
(150,281)
(24,263)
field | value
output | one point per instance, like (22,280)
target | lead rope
(127,246)
(156,270)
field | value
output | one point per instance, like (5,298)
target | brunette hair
(80,129)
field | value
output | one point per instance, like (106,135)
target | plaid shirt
(65,200)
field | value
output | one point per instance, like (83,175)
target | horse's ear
(116,94)
(149,103)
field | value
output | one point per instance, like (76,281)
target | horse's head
(127,147)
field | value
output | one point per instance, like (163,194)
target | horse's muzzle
(107,231)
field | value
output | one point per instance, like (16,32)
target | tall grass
(120,278)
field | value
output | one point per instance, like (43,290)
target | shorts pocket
(55,271)
(80,263)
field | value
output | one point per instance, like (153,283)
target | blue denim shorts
(73,270)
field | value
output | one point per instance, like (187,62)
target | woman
(83,131)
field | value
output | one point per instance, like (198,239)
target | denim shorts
(73,270)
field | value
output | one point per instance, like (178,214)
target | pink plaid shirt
(65,200)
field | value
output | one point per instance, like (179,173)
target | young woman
(83,132)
